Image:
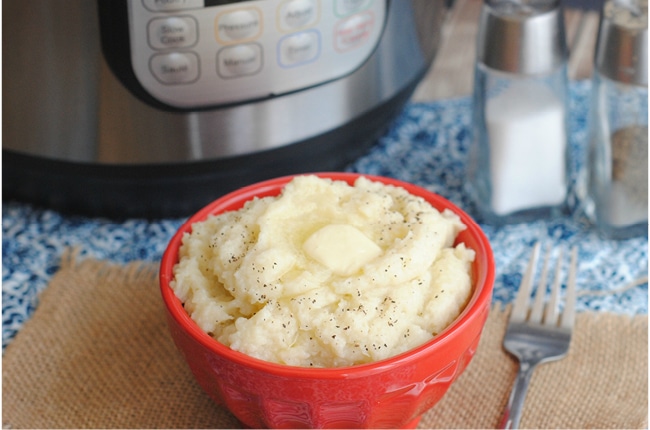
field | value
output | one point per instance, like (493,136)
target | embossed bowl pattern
(391,393)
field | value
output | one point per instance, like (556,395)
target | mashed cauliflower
(325,274)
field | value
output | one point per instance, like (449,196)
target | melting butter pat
(341,248)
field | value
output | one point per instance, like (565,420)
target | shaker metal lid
(622,47)
(524,37)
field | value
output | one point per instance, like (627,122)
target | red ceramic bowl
(391,393)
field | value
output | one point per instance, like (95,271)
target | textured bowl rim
(481,296)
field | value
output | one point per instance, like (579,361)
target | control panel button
(175,67)
(353,31)
(238,25)
(172,5)
(199,53)
(172,32)
(347,7)
(296,14)
(239,60)
(299,48)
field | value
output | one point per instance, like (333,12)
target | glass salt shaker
(518,162)
(617,170)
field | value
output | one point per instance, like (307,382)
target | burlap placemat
(97,354)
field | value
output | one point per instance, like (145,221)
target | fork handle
(512,412)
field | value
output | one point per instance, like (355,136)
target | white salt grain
(526,131)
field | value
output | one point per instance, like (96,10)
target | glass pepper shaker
(617,162)
(518,162)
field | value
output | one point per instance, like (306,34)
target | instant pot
(153,108)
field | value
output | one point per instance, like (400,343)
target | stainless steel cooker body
(101,117)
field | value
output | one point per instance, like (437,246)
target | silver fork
(538,334)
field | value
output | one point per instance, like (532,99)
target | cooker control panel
(194,53)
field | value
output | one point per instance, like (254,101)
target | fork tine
(520,306)
(568,316)
(540,294)
(551,314)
